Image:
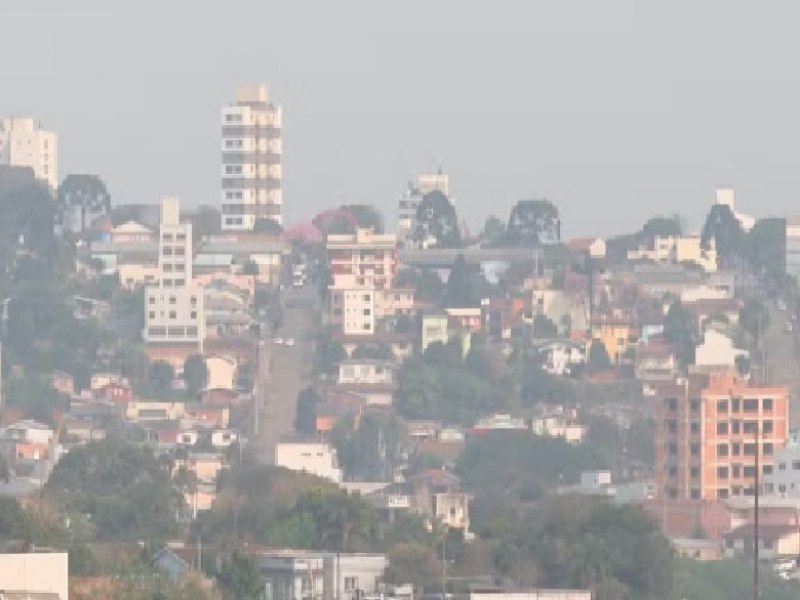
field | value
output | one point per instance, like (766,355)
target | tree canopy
(195,373)
(436,222)
(123,487)
(86,194)
(533,222)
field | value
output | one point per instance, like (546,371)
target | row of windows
(172,331)
(234,143)
(170,251)
(174,315)
(233,118)
(168,237)
(174,300)
(748,404)
(734,449)
(748,427)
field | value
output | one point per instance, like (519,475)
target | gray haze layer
(614,110)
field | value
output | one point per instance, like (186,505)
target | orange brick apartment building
(706,429)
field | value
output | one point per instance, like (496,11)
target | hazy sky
(612,109)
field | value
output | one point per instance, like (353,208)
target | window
(672,471)
(695,494)
(766,427)
(749,471)
(735,449)
(751,405)
(722,449)
(781,466)
(722,472)
(671,403)
(750,427)
(179,282)
(350,584)
(722,493)
(172,299)
(173,314)
(193,314)
(366,326)
(367,297)
(735,426)
(737,470)
(672,426)
(694,404)
(749,449)
(152,300)
(191,331)
(781,489)
(673,449)
(152,314)
(735,405)
(694,472)
(722,428)
(694,427)
(193,300)
(796,465)
(767,470)
(722,406)
(694,449)
(367,312)
(768,449)
(766,404)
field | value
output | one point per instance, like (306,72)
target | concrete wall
(46,572)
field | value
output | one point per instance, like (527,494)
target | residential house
(594,247)
(697,549)
(205,466)
(499,422)
(619,332)
(784,480)
(717,351)
(366,371)
(170,564)
(437,494)
(132,232)
(146,410)
(677,250)
(224,438)
(314,575)
(468,319)
(118,392)
(62,382)
(434,329)
(560,357)
(310,457)
(774,540)
(559,423)
(655,361)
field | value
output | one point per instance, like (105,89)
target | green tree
(754,318)
(328,354)
(679,331)
(36,397)
(544,327)
(416,564)
(767,243)
(533,222)
(267,226)
(494,231)
(206,221)
(240,579)
(436,222)
(367,217)
(305,420)
(85,193)
(368,450)
(161,375)
(461,290)
(195,373)
(123,487)
(598,356)
(730,242)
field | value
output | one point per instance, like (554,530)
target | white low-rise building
(35,575)
(316,458)
(717,350)
(366,371)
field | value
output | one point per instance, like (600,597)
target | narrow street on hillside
(781,350)
(284,370)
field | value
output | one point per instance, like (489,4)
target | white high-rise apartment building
(251,160)
(24,144)
(174,311)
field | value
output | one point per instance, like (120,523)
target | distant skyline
(613,110)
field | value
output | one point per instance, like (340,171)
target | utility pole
(756,540)
(444,564)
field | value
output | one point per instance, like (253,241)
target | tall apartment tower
(24,144)
(174,315)
(712,432)
(251,160)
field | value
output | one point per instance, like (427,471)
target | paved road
(783,367)
(284,371)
